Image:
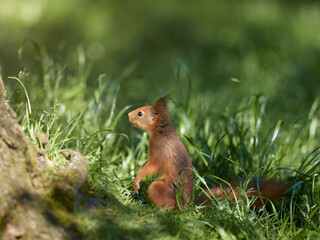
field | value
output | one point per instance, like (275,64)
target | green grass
(243,140)
(245,81)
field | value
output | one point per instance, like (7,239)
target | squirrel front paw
(136,187)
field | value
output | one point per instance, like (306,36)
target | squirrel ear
(160,104)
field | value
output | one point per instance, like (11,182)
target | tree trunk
(33,203)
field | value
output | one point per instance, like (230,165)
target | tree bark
(35,201)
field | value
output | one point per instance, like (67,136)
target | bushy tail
(262,189)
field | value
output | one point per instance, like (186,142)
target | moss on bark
(33,203)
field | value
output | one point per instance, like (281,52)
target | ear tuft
(161,104)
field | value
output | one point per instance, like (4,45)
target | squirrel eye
(140,114)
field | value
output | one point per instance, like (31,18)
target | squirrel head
(148,118)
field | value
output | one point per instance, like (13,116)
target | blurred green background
(151,48)
(245,76)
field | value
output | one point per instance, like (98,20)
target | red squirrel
(169,157)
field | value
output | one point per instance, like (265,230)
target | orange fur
(268,189)
(168,156)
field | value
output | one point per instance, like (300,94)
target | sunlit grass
(245,103)
(241,141)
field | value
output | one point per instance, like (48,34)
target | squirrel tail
(262,189)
